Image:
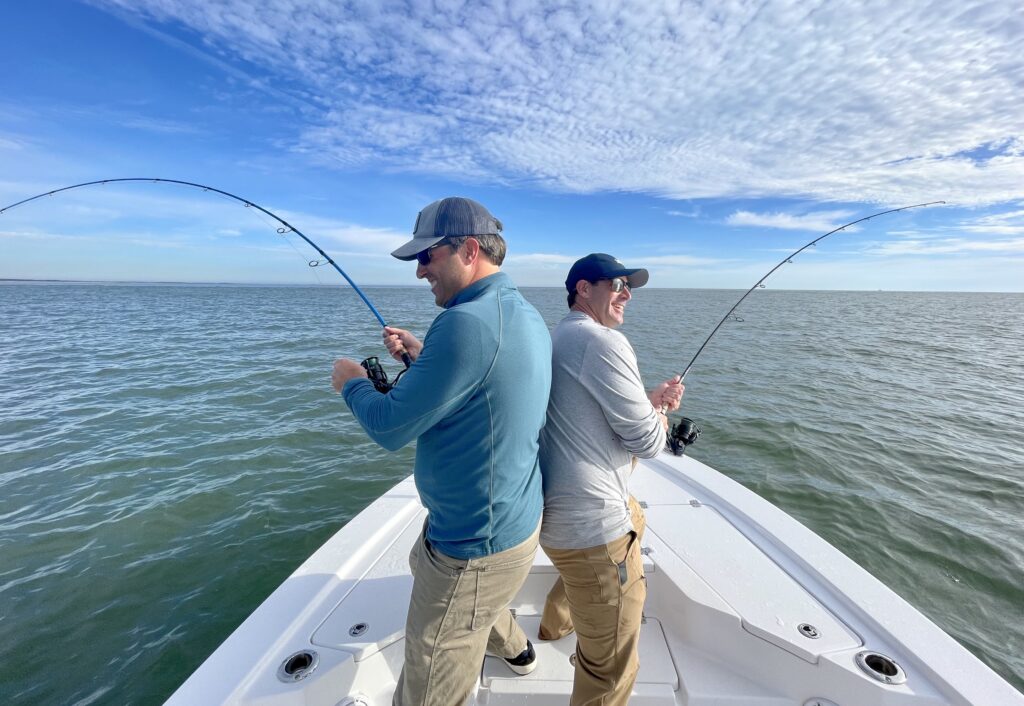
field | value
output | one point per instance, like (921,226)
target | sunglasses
(618,284)
(423,256)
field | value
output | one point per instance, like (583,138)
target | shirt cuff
(351,386)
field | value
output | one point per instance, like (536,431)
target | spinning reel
(683,433)
(378,376)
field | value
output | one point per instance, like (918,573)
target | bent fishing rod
(686,432)
(372,365)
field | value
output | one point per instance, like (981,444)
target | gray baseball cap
(450,217)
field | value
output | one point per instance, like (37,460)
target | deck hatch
(372,615)
(770,603)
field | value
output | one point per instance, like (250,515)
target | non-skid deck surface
(551,681)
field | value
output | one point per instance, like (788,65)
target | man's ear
(470,250)
(583,289)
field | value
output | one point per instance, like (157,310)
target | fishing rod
(686,432)
(372,365)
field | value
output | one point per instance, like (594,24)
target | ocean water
(170,454)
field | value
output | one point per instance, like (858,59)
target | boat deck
(745,607)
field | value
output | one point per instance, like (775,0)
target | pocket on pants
(441,562)
(491,594)
(483,615)
(494,587)
(629,564)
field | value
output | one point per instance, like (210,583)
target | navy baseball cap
(451,217)
(598,265)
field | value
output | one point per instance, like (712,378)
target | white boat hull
(745,607)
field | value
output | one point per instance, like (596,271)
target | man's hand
(664,421)
(345,370)
(399,341)
(667,395)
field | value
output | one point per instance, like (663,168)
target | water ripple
(168,455)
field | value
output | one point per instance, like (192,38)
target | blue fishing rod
(372,365)
(685,432)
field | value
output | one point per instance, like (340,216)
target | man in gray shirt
(599,418)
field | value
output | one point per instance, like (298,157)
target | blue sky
(703,141)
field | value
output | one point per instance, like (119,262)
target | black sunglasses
(423,256)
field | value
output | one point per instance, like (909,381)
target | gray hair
(491,245)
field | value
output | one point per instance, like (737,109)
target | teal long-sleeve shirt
(475,400)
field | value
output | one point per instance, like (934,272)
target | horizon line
(345,285)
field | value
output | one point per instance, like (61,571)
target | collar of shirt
(498,279)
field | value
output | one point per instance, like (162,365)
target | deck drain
(355,700)
(808,630)
(358,629)
(298,666)
(878,666)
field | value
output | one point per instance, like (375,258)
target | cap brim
(637,278)
(414,247)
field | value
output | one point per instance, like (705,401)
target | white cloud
(358,238)
(176,216)
(97,239)
(823,221)
(634,260)
(193,208)
(149,124)
(8,143)
(540,259)
(30,235)
(810,99)
(695,213)
(1007,223)
(949,238)
(948,246)
(672,260)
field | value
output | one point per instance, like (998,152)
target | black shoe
(525,662)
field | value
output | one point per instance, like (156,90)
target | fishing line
(686,432)
(305,258)
(372,365)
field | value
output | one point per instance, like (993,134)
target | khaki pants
(600,593)
(459,609)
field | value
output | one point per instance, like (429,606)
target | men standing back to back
(598,419)
(474,400)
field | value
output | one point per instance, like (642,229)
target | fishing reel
(683,433)
(378,376)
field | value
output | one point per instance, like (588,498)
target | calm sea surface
(170,454)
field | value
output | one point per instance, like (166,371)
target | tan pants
(459,609)
(600,593)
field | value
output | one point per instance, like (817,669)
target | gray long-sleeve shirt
(599,416)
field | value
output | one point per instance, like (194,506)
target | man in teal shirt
(474,399)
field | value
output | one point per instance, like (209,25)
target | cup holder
(880,667)
(298,666)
